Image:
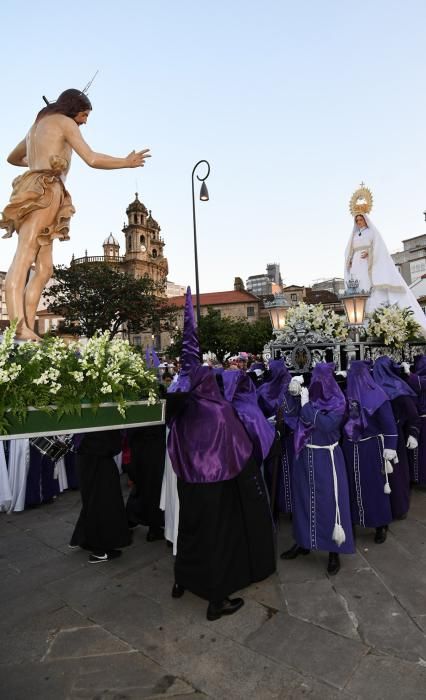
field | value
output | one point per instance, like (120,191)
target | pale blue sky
(293,104)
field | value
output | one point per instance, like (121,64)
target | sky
(293,104)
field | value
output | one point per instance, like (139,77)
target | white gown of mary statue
(368,260)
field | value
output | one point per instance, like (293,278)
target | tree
(226,335)
(96,296)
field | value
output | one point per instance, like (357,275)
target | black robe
(226,535)
(102,525)
(146,469)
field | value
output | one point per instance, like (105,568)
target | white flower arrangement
(393,326)
(67,375)
(314,318)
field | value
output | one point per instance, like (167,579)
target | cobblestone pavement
(112,631)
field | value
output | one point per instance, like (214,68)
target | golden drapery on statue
(33,191)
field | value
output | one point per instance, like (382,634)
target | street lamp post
(204,196)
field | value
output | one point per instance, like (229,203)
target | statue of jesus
(40,207)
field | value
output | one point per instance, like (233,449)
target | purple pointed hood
(325,395)
(190,356)
(241,392)
(364,397)
(386,372)
(270,394)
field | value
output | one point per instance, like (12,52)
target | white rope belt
(388,463)
(338,535)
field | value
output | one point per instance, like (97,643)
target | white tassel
(388,467)
(339,536)
(387,488)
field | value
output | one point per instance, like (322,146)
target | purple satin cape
(325,395)
(386,374)
(207,441)
(364,396)
(241,392)
(270,394)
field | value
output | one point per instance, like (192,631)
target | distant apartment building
(269,283)
(411,261)
(336,285)
(175,290)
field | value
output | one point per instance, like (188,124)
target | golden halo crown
(361,201)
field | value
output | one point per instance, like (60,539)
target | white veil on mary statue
(367,259)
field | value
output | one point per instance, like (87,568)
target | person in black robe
(146,469)
(102,525)
(226,533)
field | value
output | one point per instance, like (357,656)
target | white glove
(294,387)
(412,443)
(304,395)
(389,454)
(299,378)
(271,420)
(341,373)
(406,367)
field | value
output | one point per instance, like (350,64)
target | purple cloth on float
(313,488)
(386,372)
(271,393)
(241,392)
(325,396)
(370,505)
(364,397)
(207,441)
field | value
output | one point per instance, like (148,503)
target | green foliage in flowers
(53,373)
(393,326)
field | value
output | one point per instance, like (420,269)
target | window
(293,297)
(142,240)
(250,311)
(154,253)
(129,243)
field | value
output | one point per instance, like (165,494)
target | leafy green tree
(227,335)
(96,296)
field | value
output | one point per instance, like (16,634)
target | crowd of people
(245,443)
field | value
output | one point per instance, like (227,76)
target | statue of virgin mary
(367,260)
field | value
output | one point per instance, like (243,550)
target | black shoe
(132,525)
(402,517)
(229,606)
(381,534)
(155,533)
(294,552)
(333,564)
(99,557)
(177,590)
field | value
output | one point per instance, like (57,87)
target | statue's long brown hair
(70,102)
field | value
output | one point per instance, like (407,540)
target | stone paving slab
(71,630)
(309,649)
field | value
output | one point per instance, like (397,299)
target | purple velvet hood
(241,392)
(364,397)
(325,395)
(386,373)
(270,394)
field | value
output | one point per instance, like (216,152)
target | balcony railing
(99,259)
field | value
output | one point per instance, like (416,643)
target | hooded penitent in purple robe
(241,393)
(271,397)
(387,374)
(369,430)
(417,457)
(226,536)
(321,506)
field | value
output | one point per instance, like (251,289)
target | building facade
(411,261)
(233,304)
